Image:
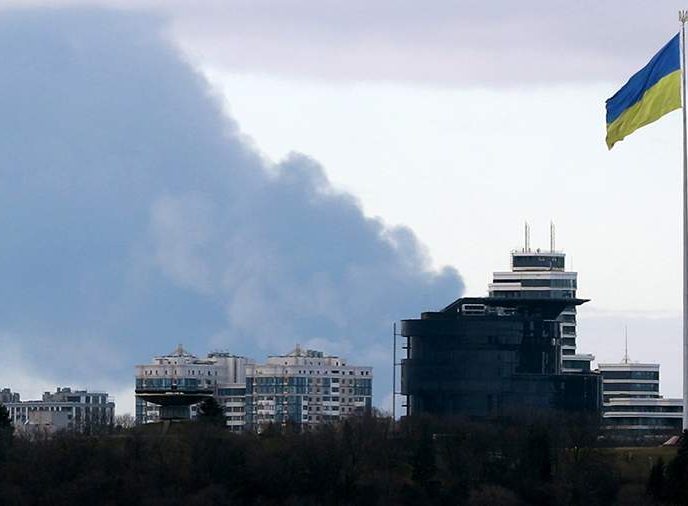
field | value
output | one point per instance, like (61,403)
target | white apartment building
(303,388)
(173,384)
(306,388)
(67,409)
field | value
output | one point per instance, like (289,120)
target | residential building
(489,356)
(77,410)
(6,395)
(306,388)
(543,274)
(302,389)
(633,409)
(172,385)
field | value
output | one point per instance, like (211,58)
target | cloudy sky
(175,172)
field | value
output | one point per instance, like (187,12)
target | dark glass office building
(491,356)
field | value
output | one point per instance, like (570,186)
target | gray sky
(459,120)
(443,42)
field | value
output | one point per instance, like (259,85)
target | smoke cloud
(135,216)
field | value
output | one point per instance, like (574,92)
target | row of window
(654,422)
(226,392)
(644,409)
(173,372)
(631,387)
(177,383)
(548,262)
(326,398)
(568,330)
(534,294)
(645,375)
(549,283)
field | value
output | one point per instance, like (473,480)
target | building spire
(626,359)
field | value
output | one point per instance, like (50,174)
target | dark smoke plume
(135,216)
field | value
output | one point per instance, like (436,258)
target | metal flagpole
(683,17)
(394,373)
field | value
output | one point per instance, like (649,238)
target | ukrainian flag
(651,93)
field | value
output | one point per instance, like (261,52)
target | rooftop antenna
(526,248)
(551,236)
(626,360)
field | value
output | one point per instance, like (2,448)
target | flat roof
(538,253)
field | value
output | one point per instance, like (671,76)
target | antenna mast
(626,359)
(526,248)
(551,236)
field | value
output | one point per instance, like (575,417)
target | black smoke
(134,215)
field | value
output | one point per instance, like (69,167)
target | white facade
(220,374)
(307,388)
(68,409)
(542,274)
(633,406)
(45,422)
(303,388)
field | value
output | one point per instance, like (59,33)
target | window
(631,387)
(648,375)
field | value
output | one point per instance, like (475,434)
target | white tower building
(542,274)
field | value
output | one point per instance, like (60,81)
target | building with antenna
(542,274)
(633,410)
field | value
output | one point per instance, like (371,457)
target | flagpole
(683,17)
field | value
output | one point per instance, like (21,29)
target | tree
(677,473)
(211,412)
(6,431)
(423,466)
(655,483)
(490,495)
(124,422)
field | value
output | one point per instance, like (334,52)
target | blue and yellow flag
(647,96)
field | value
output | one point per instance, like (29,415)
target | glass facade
(535,294)
(634,421)
(537,261)
(631,387)
(622,375)
(486,364)
(643,409)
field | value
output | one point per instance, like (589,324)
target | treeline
(535,460)
(668,484)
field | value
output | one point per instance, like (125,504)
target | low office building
(302,389)
(484,357)
(633,410)
(306,388)
(64,409)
